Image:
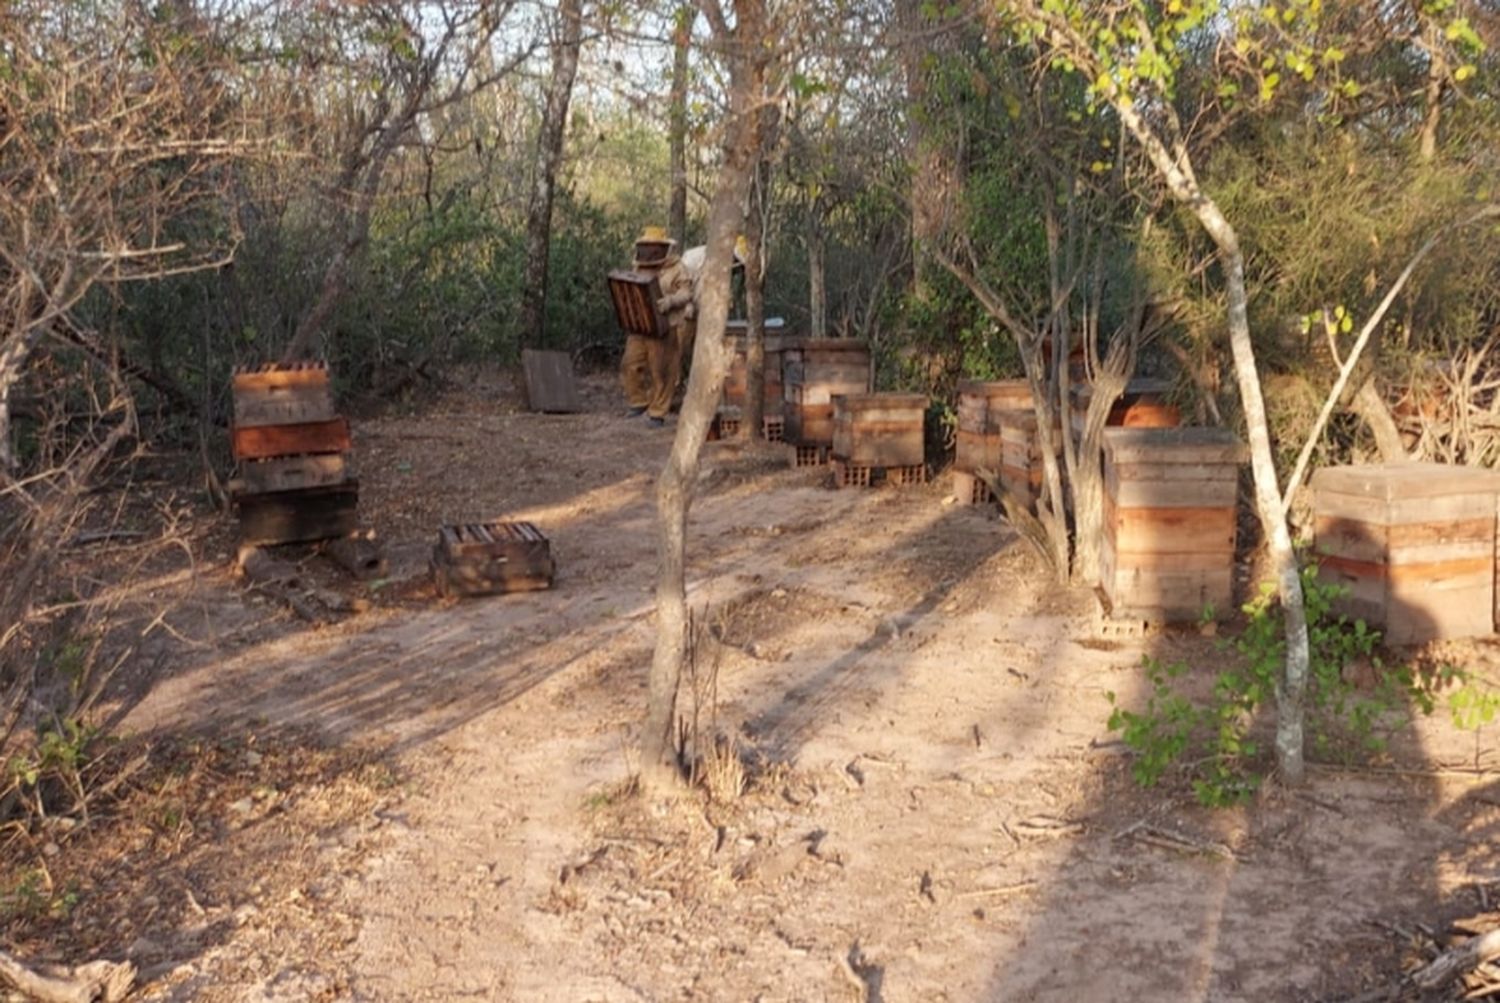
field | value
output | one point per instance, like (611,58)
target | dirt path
(934,809)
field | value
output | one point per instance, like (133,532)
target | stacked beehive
(878,437)
(736,382)
(1143,405)
(1169,521)
(294,483)
(477,559)
(979,445)
(814,371)
(1414,544)
(1021,468)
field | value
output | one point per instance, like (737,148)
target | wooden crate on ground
(814,371)
(1142,405)
(879,430)
(490,558)
(1415,545)
(1169,521)
(1021,470)
(550,386)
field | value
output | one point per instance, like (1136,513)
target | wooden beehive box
(477,559)
(736,381)
(293,483)
(1414,543)
(814,371)
(634,295)
(1021,469)
(879,430)
(980,403)
(1169,521)
(1143,405)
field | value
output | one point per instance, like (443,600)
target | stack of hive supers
(1021,466)
(736,382)
(1413,544)
(814,371)
(1169,521)
(878,437)
(979,446)
(477,559)
(294,484)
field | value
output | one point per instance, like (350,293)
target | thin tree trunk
(749,69)
(1290,688)
(1437,77)
(817,273)
(1371,407)
(553,130)
(753,424)
(682,35)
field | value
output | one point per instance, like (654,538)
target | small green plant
(1212,735)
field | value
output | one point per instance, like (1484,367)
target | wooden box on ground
(490,558)
(275,394)
(1142,405)
(980,404)
(1414,543)
(814,371)
(1021,469)
(1169,521)
(550,386)
(736,381)
(879,430)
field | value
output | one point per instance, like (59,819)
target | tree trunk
(549,157)
(751,53)
(1176,171)
(817,273)
(935,172)
(13,358)
(753,424)
(1371,407)
(682,35)
(1437,76)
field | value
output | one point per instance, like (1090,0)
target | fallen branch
(1455,962)
(95,982)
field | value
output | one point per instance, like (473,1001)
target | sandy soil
(430,801)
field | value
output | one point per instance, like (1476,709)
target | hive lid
(1392,481)
(834,345)
(1173,445)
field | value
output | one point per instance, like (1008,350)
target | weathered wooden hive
(878,436)
(978,442)
(1021,469)
(294,483)
(477,559)
(1143,405)
(814,371)
(736,381)
(1169,521)
(1414,543)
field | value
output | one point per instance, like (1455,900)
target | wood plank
(550,386)
(1413,543)
(292,473)
(299,516)
(1460,574)
(1392,482)
(263,442)
(278,402)
(274,376)
(1173,445)
(1176,471)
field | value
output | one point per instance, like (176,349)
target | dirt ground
(430,800)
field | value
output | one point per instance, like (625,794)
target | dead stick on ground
(1003,891)
(95,982)
(1464,958)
